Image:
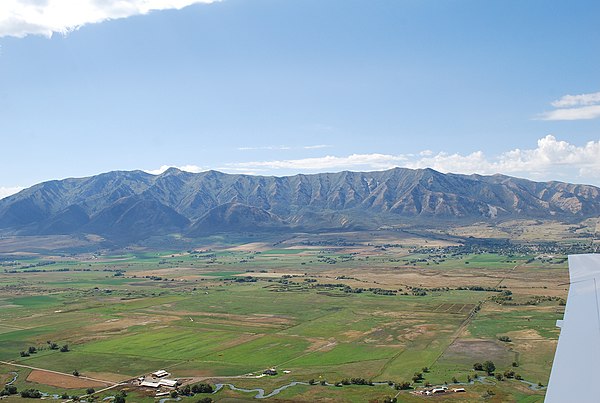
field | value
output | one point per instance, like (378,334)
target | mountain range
(132,205)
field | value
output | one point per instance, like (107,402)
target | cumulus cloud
(20,18)
(7,191)
(574,107)
(551,159)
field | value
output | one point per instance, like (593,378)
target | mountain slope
(134,205)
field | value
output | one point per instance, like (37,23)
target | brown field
(63,381)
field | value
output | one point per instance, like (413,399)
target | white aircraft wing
(575,372)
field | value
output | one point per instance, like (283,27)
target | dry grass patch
(63,381)
(474,350)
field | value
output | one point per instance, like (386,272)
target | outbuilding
(168,382)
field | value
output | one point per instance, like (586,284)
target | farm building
(149,384)
(167,382)
(160,373)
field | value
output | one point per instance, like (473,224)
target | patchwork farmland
(388,311)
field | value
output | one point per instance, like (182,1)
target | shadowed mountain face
(135,205)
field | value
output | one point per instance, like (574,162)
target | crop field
(318,309)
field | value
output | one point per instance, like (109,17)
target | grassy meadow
(380,306)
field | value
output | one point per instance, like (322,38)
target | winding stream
(260,393)
(16,375)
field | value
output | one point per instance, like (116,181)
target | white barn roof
(167,382)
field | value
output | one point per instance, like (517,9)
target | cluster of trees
(354,381)
(120,397)
(361,381)
(418,377)
(51,345)
(402,385)
(31,393)
(505,299)
(482,288)
(188,390)
(488,366)
(8,390)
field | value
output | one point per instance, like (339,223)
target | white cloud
(187,168)
(577,100)
(7,191)
(20,18)
(316,146)
(552,159)
(329,162)
(574,107)
(581,113)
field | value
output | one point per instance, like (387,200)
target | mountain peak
(138,204)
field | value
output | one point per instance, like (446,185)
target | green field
(326,313)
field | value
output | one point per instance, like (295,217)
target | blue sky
(278,87)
